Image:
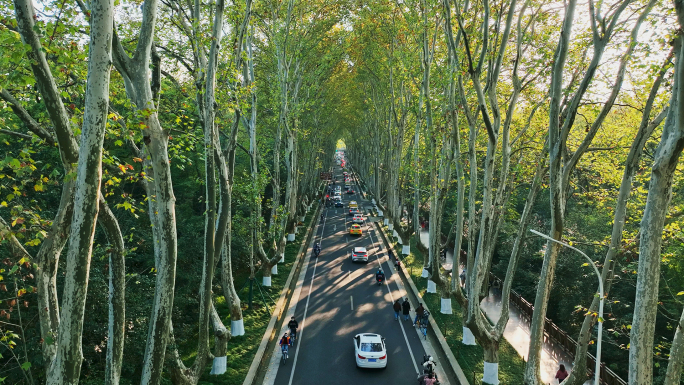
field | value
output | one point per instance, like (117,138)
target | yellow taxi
(355,229)
(353,205)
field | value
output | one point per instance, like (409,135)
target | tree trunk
(659,194)
(117,294)
(66,368)
(579,368)
(491,362)
(532,374)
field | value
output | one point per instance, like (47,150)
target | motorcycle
(380,280)
(317,252)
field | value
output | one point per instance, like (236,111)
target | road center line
(351,299)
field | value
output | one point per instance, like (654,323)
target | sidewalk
(517,331)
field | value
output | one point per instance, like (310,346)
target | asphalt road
(343,300)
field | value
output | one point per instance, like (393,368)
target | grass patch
(470,358)
(242,349)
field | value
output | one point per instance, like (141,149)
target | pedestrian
(406,306)
(497,287)
(397,309)
(561,374)
(430,380)
(463,276)
(419,313)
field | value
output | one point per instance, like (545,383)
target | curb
(261,359)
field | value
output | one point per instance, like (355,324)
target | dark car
(350,191)
(353,211)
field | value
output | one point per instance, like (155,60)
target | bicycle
(423,330)
(293,336)
(283,356)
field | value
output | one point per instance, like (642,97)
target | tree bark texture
(66,367)
(659,194)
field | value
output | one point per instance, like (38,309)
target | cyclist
(379,276)
(424,318)
(284,344)
(317,249)
(293,325)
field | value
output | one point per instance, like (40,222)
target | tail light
(361,357)
(383,357)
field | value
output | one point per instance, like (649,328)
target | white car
(370,350)
(359,254)
(358,218)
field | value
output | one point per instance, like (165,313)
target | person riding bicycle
(424,318)
(293,325)
(284,343)
(317,249)
(380,276)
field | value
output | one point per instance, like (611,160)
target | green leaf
(26,365)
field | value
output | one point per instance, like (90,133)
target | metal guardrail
(560,337)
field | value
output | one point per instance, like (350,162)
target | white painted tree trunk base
(399,240)
(491,373)
(445,306)
(266,281)
(468,337)
(424,273)
(290,237)
(385,222)
(380,213)
(432,287)
(301,219)
(237,328)
(390,226)
(274,270)
(218,366)
(395,234)
(406,250)
(373,201)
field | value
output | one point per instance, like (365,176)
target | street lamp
(600,315)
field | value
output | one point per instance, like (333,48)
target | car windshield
(371,347)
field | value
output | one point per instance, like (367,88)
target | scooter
(380,280)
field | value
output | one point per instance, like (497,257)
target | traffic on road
(347,330)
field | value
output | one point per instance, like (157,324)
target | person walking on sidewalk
(561,374)
(397,309)
(419,313)
(406,306)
